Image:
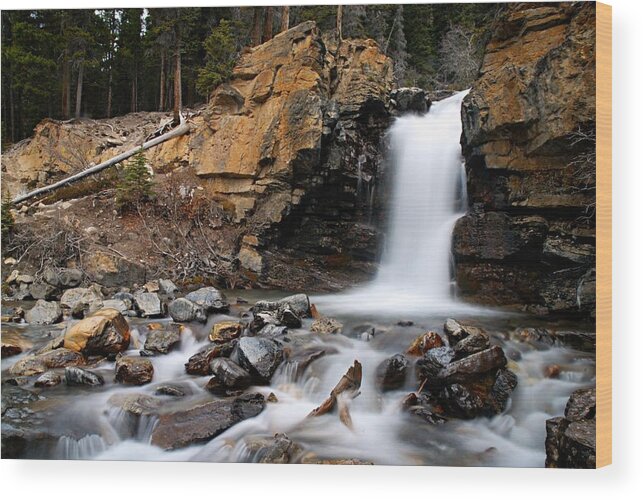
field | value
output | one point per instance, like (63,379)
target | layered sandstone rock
(289,146)
(530,238)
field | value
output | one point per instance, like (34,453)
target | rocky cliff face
(528,128)
(290,148)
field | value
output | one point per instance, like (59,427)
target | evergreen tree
(220,58)
(135,186)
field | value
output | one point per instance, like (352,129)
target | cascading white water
(429,195)
(428,164)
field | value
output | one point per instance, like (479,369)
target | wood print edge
(603,234)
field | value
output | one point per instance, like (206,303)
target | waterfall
(429,195)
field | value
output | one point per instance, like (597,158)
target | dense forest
(67,64)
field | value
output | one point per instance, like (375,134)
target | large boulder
(523,125)
(571,440)
(409,100)
(44,313)
(106,332)
(260,356)
(205,421)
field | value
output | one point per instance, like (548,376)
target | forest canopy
(63,64)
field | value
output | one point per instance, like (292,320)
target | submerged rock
(391,373)
(48,379)
(9,350)
(103,333)
(80,376)
(205,421)
(133,371)
(40,363)
(260,356)
(44,313)
(278,450)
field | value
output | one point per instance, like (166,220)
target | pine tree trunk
(340,15)
(177,81)
(267,25)
(109,93)
(285,18)
(79,89)
(66,91)
(255,34)
(162,83)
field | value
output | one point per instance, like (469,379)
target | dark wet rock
(167,286)
(481,362)
(163,339)
(104,333)
(43,291)
(391,373)
(205,421)
(174,390)
(136,404)
(301,360)
(471,344)
(229,374)
(260,356)
(583,341)
(540,338)
(424,343)
(183,311)
(289,318)
(272,331)
(133,370)
(505,383)
(405,323)
(272,398)
(433,361)
(16,381)
(225,331)
(199,363)
(409,100)
(40,363)
(44,313)
(459,402)
(278,450)
(80,376)
(552,371)
(457,331)
(149,304)
(571,440)
(326,325)
(9,350)
(48,379)
(262,319)
(209,299)
(76,298)
(299,304)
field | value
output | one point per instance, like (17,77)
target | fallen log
(346,389)
(183,128)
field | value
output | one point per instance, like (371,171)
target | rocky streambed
(254,376)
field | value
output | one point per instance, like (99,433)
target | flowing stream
(414,284)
